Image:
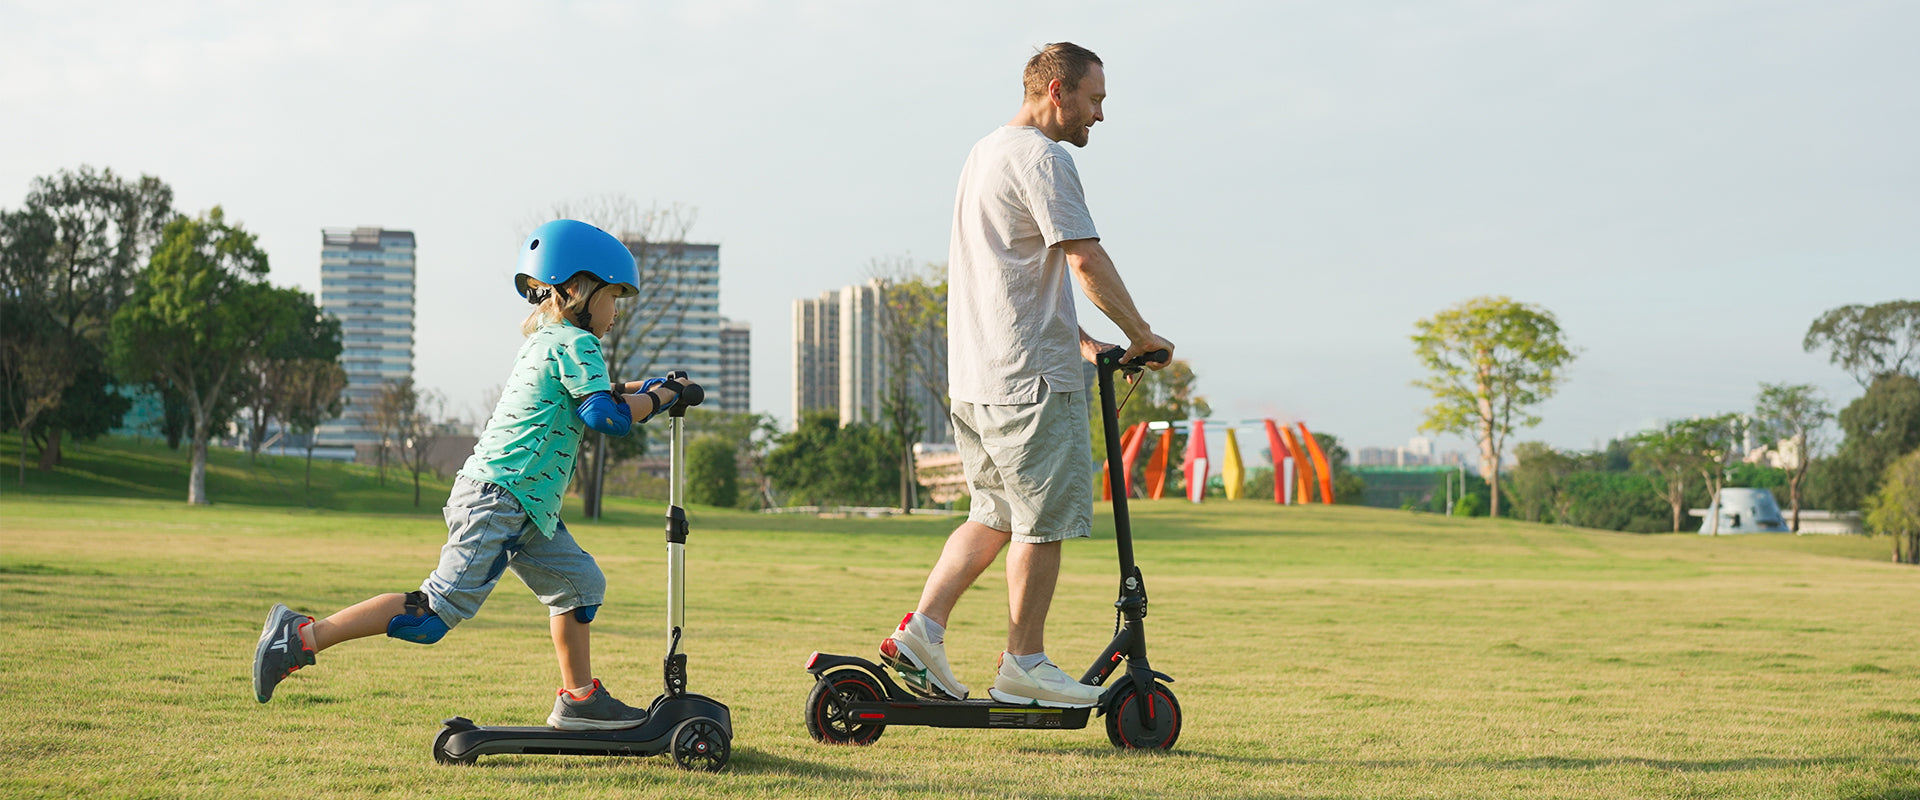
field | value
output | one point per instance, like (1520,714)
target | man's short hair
(1063,61)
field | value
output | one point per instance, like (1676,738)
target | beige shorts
(1029,467)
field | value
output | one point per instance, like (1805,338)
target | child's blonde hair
(554,306)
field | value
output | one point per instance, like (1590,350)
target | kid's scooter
(854,700)
(696,730)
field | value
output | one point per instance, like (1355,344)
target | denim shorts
(488,533)
(1029,467)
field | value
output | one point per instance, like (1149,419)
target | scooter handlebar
(692,395)
(1111,358)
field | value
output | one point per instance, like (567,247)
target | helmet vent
(534,245)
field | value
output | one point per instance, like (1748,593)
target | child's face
(603,308)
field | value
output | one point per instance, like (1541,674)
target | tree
(822,462)
(749,435)
(1880,426)
(308,392)
(1716,436)
(419,429)
(1869,341)
(35,369)
(72,253)
(1538,478)
(315,336)
(200,309)
(1671,456)
(1895,509)
(913,334)
(713,477)
(1491,359)
(645,324)
(1794,413)
(388,416)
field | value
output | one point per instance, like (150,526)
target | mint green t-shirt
(529,445)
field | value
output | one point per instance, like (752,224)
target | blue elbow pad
(601,412)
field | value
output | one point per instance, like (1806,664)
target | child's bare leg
(572,642)
(368,617)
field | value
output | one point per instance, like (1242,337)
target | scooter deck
(966,714)
(905,708)
(461,740)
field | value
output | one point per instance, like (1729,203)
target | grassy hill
(1319,652)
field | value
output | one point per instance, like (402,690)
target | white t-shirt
(1011,328)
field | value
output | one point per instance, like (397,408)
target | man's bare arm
(1100,280)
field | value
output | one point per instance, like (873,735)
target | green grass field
(1320,652)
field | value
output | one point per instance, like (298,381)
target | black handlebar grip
(692,396)
(1155,357)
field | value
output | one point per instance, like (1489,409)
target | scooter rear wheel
(701,745)
(1128,728)
(440,753)
(826,713)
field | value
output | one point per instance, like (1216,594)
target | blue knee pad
(419,625)
(584,614)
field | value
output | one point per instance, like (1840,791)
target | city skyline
(1686,186)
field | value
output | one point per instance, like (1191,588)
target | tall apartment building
(816,354)
(367,282)
(736,361)
(840,360)
(684,279)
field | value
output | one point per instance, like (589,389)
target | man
(1020,226)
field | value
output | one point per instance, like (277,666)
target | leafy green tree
(749,435)
(913,331)
(308,392)
(1718,436)
(1880,426)
(199,310)
(1869,341)
(822,462)
(1895,509)
(1670,456)
(315,336)
(71,253)
(1491,359)
(1538,478)
(1616,501)
(35,369)
(713,477)
(1794,413)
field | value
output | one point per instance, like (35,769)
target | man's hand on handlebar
(1146,345)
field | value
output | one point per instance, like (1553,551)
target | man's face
(1080,108)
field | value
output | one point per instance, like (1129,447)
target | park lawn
(1319,652)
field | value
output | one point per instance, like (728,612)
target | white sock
(1028,662)
(934,632)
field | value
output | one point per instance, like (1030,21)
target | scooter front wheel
(827,718)
(440,753)
(701,744)
(1154,728)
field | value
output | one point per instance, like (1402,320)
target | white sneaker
(1044,685)
(922,664)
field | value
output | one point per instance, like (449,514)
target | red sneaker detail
(889,649)
(903,620)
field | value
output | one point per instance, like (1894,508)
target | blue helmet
(563,248)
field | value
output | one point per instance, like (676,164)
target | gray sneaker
(599,712)
(280,651)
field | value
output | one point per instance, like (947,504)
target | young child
(504,512)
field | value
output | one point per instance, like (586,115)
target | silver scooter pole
(675,665)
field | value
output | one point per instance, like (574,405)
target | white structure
(1744,511)
(366,281)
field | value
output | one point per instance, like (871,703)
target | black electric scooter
(696,730)
(854,700)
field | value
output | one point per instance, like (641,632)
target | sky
(1286,187)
